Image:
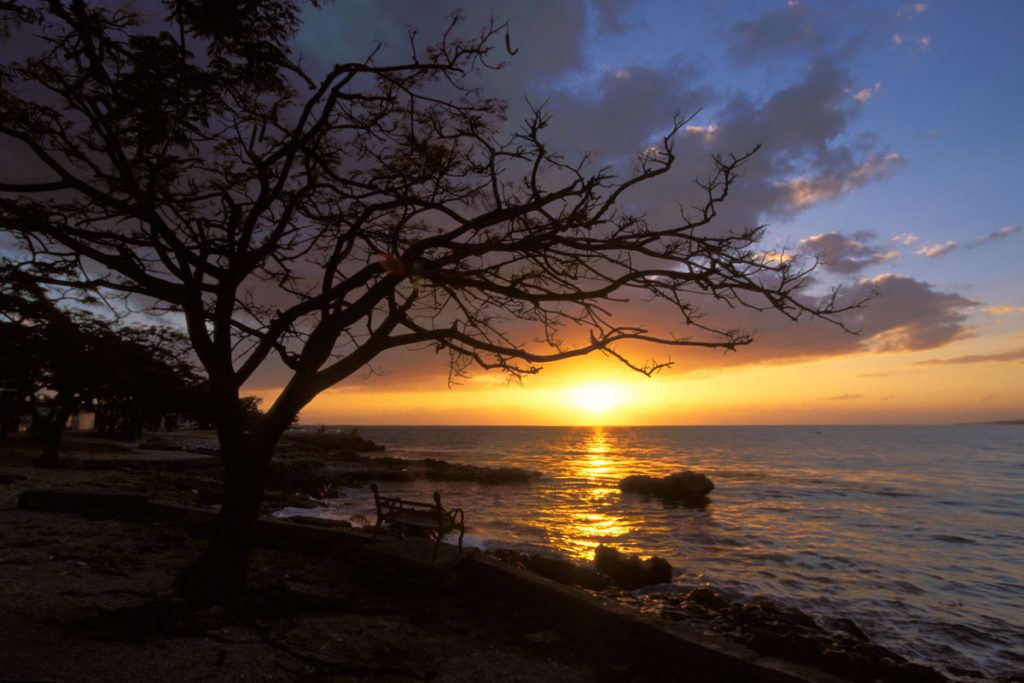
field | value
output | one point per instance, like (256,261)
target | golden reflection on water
(586,521)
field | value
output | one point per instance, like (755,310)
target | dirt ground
(88,599)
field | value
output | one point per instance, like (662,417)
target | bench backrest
(389,504)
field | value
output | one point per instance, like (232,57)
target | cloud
(905,238)
(806,191)
(793,28)
(933,250)
(909,315)
(843,254)
(1017,354)
(1004,310)
(903,314)
(1000,234)
(865,94)
(807,153)
(843,397)
(607,120)
(938,249)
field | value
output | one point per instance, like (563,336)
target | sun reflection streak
(591,518)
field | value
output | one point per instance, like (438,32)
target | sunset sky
(892,144)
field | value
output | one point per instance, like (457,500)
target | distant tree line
(59,359)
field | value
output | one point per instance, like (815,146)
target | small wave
(945,538)
(739,474)
(907,587)
(961,633)
(892,493)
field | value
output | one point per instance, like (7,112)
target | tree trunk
(51,434)
(219,575)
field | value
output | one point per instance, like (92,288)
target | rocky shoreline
(315,468)
(835,645)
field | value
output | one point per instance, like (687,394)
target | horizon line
(303,425)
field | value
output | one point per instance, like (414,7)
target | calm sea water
(917,533)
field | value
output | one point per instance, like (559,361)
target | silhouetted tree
(192,164)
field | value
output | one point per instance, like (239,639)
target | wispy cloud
(1000,234)
(706,133)
(1004,310)
(940,248)
(933,250)
(1017,354)
(906,238)
(843,397)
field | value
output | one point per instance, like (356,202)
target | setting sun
(597,398)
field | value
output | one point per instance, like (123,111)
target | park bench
(406,515)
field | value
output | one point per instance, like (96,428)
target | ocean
(914,532)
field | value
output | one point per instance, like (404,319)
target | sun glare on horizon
(598,399)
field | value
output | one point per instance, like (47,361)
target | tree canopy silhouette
(188,162)
(65,359)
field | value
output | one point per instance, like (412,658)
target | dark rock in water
(560,570)
(687,487)
(328,443)
(1010,678)
(629,571)
(366,469)
(707,598)
(848,628)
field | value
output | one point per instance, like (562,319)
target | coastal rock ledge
(629,571)
(686,487)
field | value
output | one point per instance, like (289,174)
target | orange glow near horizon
(865,388)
